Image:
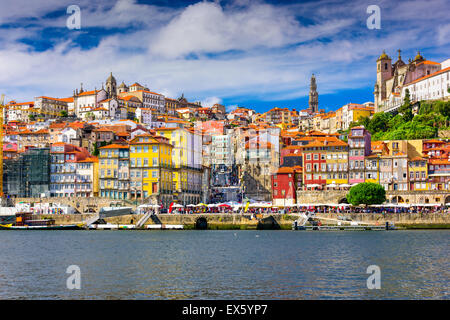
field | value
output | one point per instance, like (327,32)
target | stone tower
(111,86)
(313,96)
(384,72)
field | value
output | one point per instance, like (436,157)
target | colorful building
(187,163)
(359,147)
(114,171)
(151,169)
(418,174)
(285,183)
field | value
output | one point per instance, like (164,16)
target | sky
(254,54)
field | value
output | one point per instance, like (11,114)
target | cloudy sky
(257,54)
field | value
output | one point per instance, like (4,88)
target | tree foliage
(431,117)
(366,193)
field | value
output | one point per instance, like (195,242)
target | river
(224,264)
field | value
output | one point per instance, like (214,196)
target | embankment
(281,221)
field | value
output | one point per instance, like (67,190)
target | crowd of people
(304,208)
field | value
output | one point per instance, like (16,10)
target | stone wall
(327,196)
(80,204)
(396,218)
(237,221)
(407,197)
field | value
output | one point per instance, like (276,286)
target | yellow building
(114,168)
(360,112)
(336,161)
(418,174)
(151,169)
(87,177)
(187,163)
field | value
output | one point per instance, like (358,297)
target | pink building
(359,147)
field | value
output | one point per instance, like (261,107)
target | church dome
(122,85)
(418,56)
(111,79)
(383,56)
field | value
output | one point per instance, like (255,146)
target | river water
(224,264)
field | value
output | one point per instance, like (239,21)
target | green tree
(63,114)
(379,122)
(32,117)
(366,193)
(406,108)
(95,152)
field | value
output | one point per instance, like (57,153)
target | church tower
(313,96)
(111,86)
(384,72)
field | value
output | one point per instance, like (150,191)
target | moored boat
(49,227)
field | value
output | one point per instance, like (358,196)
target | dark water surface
(224,264)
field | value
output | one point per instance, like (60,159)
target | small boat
(50,227)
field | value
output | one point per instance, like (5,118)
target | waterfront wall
(237,221)
(408,197)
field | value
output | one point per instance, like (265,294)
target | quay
(221,217)
(265,221)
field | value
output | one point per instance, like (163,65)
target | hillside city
(130,143)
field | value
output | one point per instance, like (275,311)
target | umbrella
(224,205)
(176,205)
(201,205)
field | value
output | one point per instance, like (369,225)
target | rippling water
(224,264)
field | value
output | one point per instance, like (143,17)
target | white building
(144,115)
(431,87)
(88,100)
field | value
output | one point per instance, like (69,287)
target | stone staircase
(255,190)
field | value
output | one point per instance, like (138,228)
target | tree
(406,108)
(63,114)
(366,193)
(32,117)
(379,122)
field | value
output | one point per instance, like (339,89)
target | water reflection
(224,264)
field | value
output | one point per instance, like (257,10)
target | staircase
(144,219)
(90,221)
(303,219)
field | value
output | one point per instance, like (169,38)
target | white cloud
(208,27)
(444,34)
(277,53)
(210,101)
(231,108)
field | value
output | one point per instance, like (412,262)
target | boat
(310,221)
(49,227)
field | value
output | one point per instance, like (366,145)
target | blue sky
(256,54)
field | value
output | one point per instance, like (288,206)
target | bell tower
(111,86)
(384,72)
(313,96)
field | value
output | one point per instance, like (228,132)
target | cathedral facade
(392,77)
